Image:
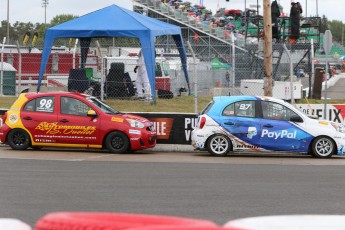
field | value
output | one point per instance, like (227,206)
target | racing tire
(117,142)
(219,145)
(18,139)
(323,147)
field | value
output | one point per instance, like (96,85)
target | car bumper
(143,141)
(199,138)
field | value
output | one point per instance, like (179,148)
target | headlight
(135,123)
(339,127)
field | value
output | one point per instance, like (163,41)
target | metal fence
(216,69)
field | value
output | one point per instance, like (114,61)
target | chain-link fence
(216,69)
(220,61)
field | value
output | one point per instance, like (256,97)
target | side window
(275,111)
(42,104)
(229,110)
(245,109)
(241,109)
(73,106)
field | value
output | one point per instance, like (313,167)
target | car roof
(30,95)
(229,99)
(220,102)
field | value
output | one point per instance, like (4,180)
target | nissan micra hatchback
(262,124)
(66,119)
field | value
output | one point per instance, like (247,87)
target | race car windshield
(102,106)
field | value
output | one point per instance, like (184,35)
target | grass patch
(184,104)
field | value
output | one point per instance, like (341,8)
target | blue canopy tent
(114,21)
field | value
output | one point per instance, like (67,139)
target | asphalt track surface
(184,184)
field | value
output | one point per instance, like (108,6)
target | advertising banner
(335,112)
(172,128)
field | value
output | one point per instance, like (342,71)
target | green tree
(324,24)
(336,28)
(58,19)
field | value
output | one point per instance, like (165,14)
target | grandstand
(210,37)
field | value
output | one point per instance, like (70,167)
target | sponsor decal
(133,131)
(116,119)
(245,146)
(279,134)
(252,132)
(54,128)
(323,123)
(1,121)
(13,118)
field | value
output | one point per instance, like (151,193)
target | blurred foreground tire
(114,221)
(13,224)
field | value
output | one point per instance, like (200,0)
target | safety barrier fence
(210,71)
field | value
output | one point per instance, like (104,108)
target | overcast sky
(25,11)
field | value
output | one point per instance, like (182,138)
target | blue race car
(258,123)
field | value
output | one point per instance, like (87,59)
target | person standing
(142,81)
(275,13)
(295,17)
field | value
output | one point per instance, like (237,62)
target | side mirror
(295,118)
(91,113)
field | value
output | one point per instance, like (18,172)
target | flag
(26,38)
(34,39)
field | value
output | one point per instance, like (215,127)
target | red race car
(66,119)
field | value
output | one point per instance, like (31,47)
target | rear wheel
(219,145)
(18,139)
(323,147)
(117,142)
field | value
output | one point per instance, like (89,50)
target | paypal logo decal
(252,132)
(278,134)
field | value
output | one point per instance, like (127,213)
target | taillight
(202,122)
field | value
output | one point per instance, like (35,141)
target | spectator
(295,14)
(275,13)
(142,82)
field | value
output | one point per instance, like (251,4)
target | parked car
(68,119)
(231,123)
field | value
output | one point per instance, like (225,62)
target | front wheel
(323,147)
(117,142)
(219,145)
(18,139)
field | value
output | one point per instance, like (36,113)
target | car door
(39,117)
(278,133)
(239,119)
(75,127)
